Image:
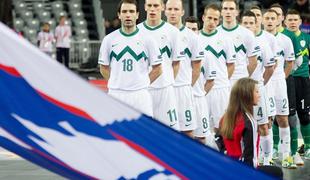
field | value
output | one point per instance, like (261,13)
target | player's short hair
(62,17)
(46,23)
(255,7)
(182,2)
(192,19)
(127,2)
(211,6)
(277,5)
(237,5)
(293,12)
(249,14)
(271,11)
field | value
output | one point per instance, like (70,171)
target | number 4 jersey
(129,57)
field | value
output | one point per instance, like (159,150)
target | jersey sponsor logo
(166,50)
(239,48)
(127,49)
(215,53)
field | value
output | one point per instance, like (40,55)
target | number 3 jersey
(129,57)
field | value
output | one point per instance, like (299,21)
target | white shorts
(202,116)
(260,111)
(281,99)
(186,114)
(164,106)
(217,100)
(140,99)
(270,101)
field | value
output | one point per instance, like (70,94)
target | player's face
(256,95)
(153,9)
(270,21)
(280,15)
(128,15)
(258,14)
(62,21)
(249,23)
(211,19)
(46,27)
(174,11)
(192,26)
(229,11)
(293,22)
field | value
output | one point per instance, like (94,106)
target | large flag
(55,119)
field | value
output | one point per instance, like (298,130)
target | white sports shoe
(297,160)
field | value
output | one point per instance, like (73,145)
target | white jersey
(272,41)
(245,46)
(46,41)
(265,57)
(62,35)
(129,57)
(172,49)
(222,50)
(208,72)
(285,53)
(192,52)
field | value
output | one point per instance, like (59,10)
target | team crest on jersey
(303,43)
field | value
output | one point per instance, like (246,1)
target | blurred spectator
(116,23)
(46,39)
(63,35)
(108,27)
(302,6)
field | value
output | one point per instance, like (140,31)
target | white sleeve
(154,55)
(196,47)
(104,58)
(208,66)
(289,54)
(230,51)
(178,46)
(252,49)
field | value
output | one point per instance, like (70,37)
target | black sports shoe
(301,150)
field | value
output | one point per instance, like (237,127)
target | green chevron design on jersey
(216,54)
(241,47)
(130,51)
(188,52)
(281,53)
(166,50)
(259,58)
(202,70)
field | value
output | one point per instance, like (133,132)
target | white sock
(266,148)
(285,140)
(270,136)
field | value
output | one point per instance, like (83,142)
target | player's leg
(185,106)
(202,117)
(303,106)
(164,106)
(260,114)
(218,102)
(282,120)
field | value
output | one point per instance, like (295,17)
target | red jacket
(245,143)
